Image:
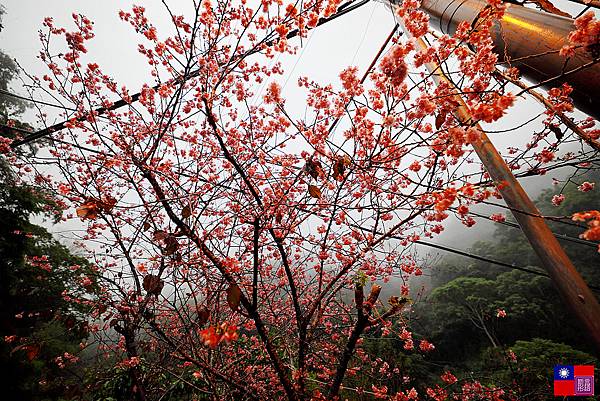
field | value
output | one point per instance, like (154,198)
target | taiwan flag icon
(577,380)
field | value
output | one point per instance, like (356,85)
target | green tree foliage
(10,107)
(37,324)
(460,314)
(534,307)
(468,299)
(527,366)
(510,245)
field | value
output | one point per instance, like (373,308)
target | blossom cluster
(586,33)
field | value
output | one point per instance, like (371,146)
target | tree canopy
(239,247)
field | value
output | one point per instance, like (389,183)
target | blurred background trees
(37,324)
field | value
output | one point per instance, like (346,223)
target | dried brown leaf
(88,210)
(234,295)
(314,191)
(107,204)
(171,245)
(339,167)
(203,315)
(160,235)
(557,131)
(314,169)
(439,120)
(153,284)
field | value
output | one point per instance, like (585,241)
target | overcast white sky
(351,40)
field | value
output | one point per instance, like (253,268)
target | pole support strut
(567,280)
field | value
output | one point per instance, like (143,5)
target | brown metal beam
(530,40)
(567,280)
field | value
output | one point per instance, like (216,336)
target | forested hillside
(505,327)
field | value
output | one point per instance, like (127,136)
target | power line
(468,255)
(478,257)
(515,225)
(488,260)
(7,93)
(362,39)
(564,237)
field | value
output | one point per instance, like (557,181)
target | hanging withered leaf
(171,245)
(108,203)
(186,212)
(203,315)
(88,210)
(234,295)
(339,167)
(92,207)
(153,284)
(160,235)
(397,302)
(314,191)
(439,120)
(146,226)
(314,169)
(557,131)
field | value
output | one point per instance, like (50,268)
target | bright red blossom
(214,335)
(586,186)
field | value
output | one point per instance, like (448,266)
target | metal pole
(567,280)
(530,40)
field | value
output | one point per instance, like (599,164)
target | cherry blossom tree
(245,247)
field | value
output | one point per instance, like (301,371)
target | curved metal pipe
(529,40)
